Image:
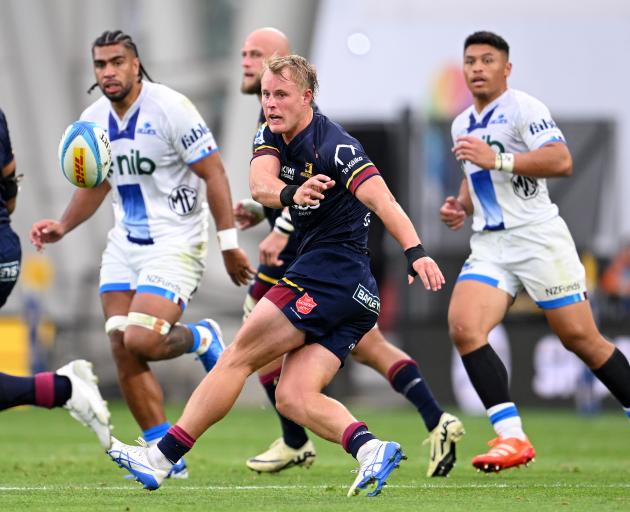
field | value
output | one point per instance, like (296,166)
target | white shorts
(172,269)
(539,257)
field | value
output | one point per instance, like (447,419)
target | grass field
(50,462)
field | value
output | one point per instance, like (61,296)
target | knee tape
(248,306)
(150,322)
(115,323)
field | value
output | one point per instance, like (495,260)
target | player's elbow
(565,166)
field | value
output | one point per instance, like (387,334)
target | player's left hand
(474,150)
(238,266)
(271,247)
(429,273)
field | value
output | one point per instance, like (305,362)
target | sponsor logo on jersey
(367,219)
(342,150)
(308,170)
(501,119)
(134,163)
(563,288)
(182,200)
(493,143)
(541,126)
(305,304)
(195,133)
(287,172)
(146,129)
(79,165)
(367,299)
(525,187)
(9,271)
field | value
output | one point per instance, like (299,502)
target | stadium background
(390,72)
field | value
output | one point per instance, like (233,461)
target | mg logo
(525,187)
(182,200)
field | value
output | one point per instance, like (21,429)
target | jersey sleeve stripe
(369,171)
(259,148)
(201,157)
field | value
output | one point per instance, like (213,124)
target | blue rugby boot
(135,459)
(208,341)
(377,462)
(179,470)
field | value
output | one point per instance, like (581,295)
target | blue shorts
(10,261)
(267,276)
(330,295)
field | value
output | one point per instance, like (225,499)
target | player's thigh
(475,308)
(575,326)
(264,337)
(306,370)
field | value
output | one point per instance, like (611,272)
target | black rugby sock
(488,376)
(615,375)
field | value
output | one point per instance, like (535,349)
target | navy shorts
(267,276)
(330,295)
(10,261)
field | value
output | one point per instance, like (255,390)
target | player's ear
(508,69)
(308,96)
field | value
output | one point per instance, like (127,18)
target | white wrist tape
(504,162)
(283,224)
(228,239)
(116,323)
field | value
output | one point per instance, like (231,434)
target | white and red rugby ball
(85,154)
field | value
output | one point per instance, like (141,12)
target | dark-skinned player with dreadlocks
(163,153)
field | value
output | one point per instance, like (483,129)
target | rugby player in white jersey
(166,170)
(508,143)
(277,252)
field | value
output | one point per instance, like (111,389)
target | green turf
(49,462)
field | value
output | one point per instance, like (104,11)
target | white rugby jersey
(155,194)
(513,123)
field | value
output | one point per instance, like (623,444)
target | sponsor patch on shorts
(305,304)
(367,299)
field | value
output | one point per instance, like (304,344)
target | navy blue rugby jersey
(323,147)
(6,156)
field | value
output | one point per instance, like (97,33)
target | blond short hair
(302,72)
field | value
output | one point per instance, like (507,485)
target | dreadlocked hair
(111,37)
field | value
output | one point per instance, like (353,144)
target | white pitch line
(557,485)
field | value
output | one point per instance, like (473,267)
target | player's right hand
(46,231)
(271,247)
(248,213)
(311,192)
(238,266)
(452,213)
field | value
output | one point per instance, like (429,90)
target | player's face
(252,58)
(486,70)
(285,104)
(116,69)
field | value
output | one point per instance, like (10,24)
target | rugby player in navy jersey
(277,251)
(72,386)
(326,301)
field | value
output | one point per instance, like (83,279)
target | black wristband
(286,195)
(413,254)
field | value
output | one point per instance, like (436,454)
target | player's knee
(466,337)
(289,403)
(143,334)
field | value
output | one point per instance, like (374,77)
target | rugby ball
(85,154)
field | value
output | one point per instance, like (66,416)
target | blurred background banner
(391,73)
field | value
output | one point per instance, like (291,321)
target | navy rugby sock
(176,443)
(355,436)
(293,434)
(405,378)
(44,389)
(488,376)
(615,375)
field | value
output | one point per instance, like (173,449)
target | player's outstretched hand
(271,247)
(248,213)
(46,231)
(238,266)
(452,213)
(429,273)
(311,192)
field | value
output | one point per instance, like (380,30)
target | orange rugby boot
(505,453)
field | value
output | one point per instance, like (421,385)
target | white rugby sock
(506,421)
